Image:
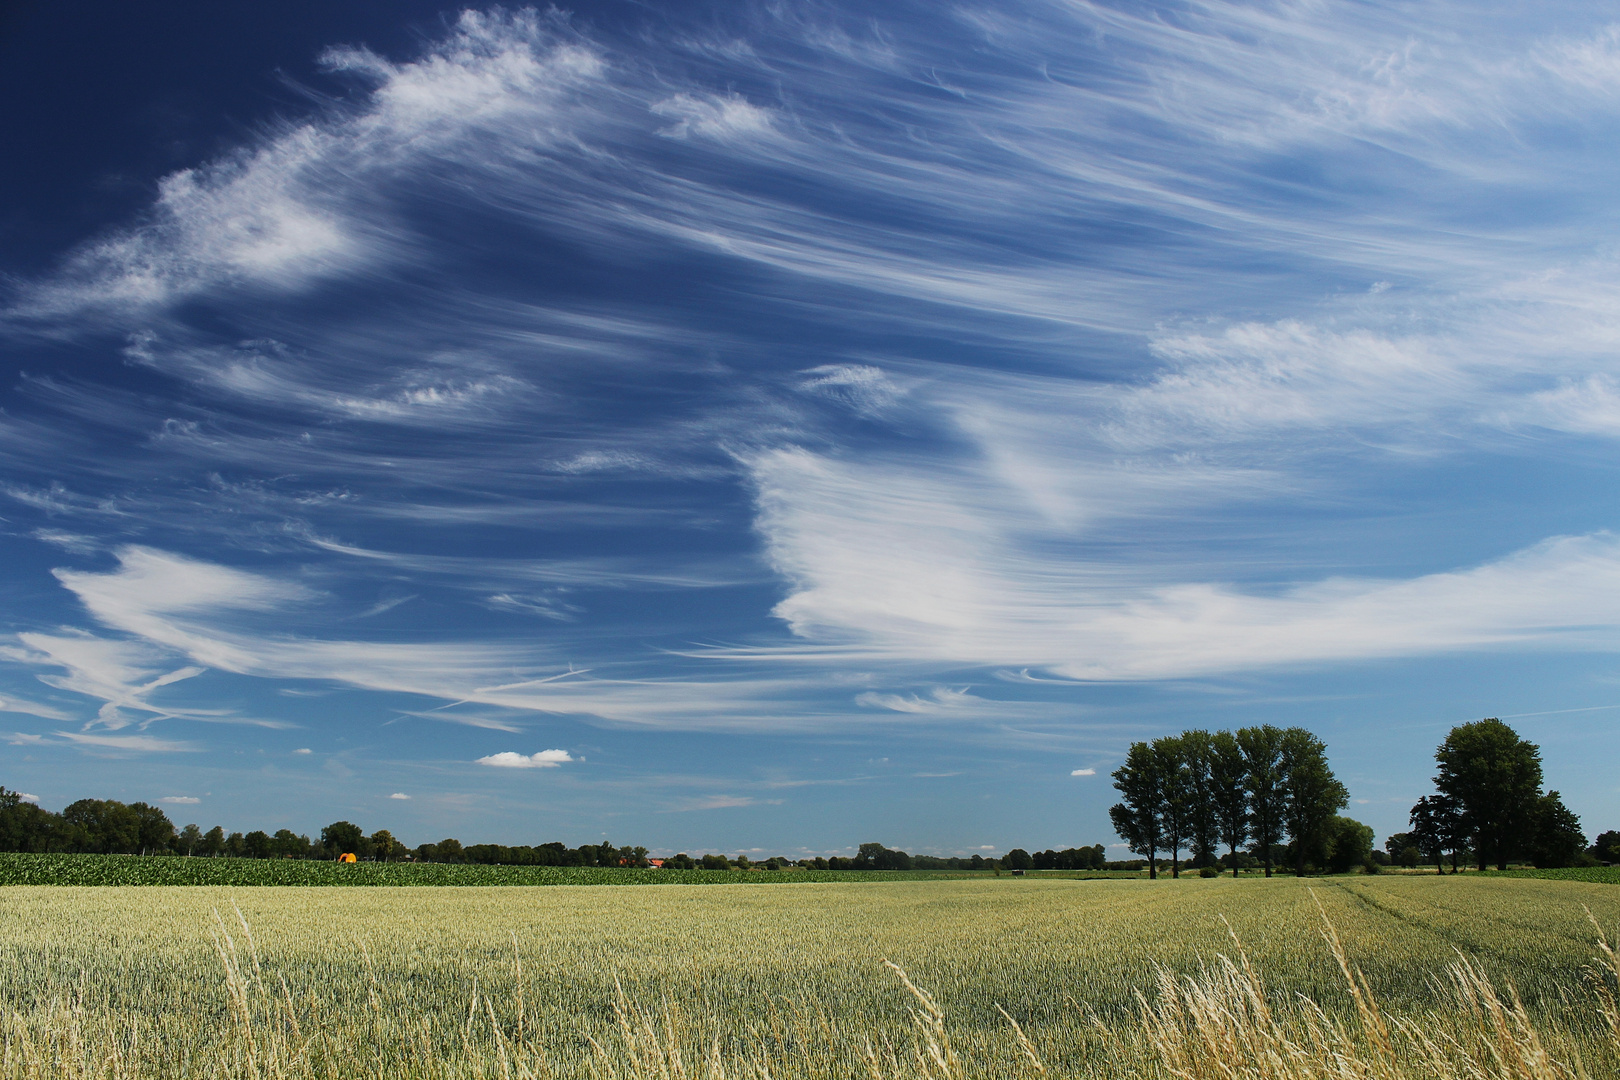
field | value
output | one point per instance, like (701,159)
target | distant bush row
(109,827)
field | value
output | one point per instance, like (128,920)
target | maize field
(75,869)
(1375,978)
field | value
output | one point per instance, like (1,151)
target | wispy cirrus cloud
(34,708)
(145,744)
(1121,317)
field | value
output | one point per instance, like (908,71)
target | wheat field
(1011,977)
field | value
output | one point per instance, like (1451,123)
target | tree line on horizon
(1272,788)
(110,827)
(1267,794)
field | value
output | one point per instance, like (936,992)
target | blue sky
(775,427)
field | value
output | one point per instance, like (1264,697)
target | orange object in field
(347,856)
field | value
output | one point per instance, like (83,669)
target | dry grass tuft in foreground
(1220,1023)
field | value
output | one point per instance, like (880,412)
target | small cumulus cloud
(25,797)
(180,800)
(303,750)
(1084,772)
(399,795)
(545,759)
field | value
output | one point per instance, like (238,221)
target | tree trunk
(1153,866)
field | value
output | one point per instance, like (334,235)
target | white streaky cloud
(302,751)
(1083,772)
(33,708)
(136,743)
(123,674)
(724,118)
(721,802)
(269,373)
(180,800)
(1050,523)
(149,581)
(257,217)
(228,636)
(940,701)
(905,567)
(25,797)
(504,94)
(1588,407)
(399,795)
(443,715)
(74,542)
(862,387)
(547,607)
(508,759)
(293,209)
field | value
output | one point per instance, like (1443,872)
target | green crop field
(790,982)
(1607,875)
(144,870)
(141,870)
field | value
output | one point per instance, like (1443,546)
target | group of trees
(1199,791)
(1265,787)
(99,826)
(1085,858)
(1489,803)
(108,827)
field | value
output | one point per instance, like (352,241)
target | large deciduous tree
(1349,843)
(1197,753)
(154,829)
(25,827)
(1228,794)
(105,826)
(1139,815)
(1262,749)
(1180,796)
(1494,778)
(1311,793)
(1435,827)
(1555,833)
(343,837)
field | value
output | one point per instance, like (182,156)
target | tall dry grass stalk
(1221,1023)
